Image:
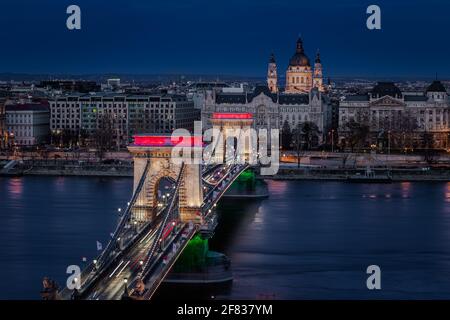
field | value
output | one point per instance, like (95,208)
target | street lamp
(75,290)
(125,291)
(389,142)
(332,140)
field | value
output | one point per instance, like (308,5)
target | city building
(387,111)
(300,76)
(82,86)
(123,115)
(270,110)
(3,131)
(113,84)
(27,123)
(197,91)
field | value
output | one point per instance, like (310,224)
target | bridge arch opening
(163,189)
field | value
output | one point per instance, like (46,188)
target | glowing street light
(125,291)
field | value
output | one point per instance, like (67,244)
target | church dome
(386,89)
(299,59)
(436,86)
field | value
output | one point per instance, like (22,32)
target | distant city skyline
(232,37)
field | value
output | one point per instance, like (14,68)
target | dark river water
(309,240)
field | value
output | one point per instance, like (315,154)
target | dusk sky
(233,37)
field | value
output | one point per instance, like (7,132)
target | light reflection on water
(308,240)
(319,237)
(15,188)
(447,192)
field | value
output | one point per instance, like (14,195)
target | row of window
(120,105)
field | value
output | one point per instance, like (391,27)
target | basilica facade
(300,76)
(302,100)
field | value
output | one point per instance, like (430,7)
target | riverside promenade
(313,166)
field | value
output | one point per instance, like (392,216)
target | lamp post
(74,295)
(389,142)
(125,288)
(332,140)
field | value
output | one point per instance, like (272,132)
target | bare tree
(356,134)
(428,146)
(303,137)
(310,133)
(103,136)
(286,136)
(297,142)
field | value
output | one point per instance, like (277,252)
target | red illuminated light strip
(218,115)
(167,141)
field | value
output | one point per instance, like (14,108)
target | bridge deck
(111,284)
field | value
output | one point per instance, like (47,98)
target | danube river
(309,240)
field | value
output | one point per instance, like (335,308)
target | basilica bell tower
(318,73)
(272,78)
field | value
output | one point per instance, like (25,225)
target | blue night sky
(233,37)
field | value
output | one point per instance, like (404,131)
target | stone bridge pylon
(157,149)
(235,128)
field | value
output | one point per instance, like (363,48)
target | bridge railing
(150,254)
(221,189)
(90,272)
(93,272)
(165,268)
(102,260)
(152,287)
(220,182)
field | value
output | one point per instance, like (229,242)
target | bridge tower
(234,125)
(157,149)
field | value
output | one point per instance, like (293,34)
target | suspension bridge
(155,228)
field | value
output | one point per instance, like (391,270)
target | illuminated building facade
(125,115)
(385,109)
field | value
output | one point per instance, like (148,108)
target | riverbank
(291,174)
(287,171)
(70,168)
(342,174)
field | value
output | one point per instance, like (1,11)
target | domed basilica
(300,76)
